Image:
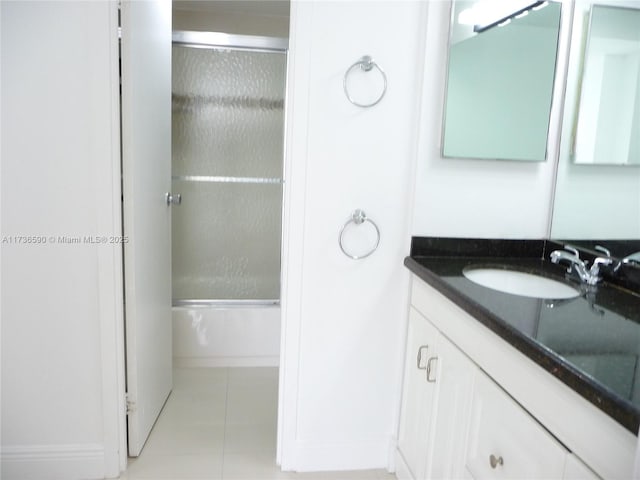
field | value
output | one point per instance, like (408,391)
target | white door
(418,395)
(146,156)
(449,429)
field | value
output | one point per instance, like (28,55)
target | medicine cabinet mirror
(501,70)
(596,199)
(608,116)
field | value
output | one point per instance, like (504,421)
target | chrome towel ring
(366,64)
(358,217)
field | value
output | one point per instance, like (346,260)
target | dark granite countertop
(591,342)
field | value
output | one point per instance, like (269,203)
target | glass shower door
(228,136)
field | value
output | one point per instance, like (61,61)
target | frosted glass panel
(228,121)
(226,241)
(228,112)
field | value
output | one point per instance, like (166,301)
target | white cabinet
(504,441)
(456,373)
(460,418)
(435,403)
(417,396)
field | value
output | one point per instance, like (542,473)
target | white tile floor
(220,423)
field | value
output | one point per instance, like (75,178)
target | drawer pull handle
(431,369)
(495,461)
(419,359)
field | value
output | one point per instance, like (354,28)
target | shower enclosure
(227,165)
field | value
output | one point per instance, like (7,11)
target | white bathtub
(226,335)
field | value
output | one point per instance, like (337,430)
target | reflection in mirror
(608,118)
(502,61)
(591,201)
(602,343)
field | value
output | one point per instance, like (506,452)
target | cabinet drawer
(505,441)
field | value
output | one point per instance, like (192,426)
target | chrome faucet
(633,259)
(572,257)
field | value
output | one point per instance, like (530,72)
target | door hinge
(129,403)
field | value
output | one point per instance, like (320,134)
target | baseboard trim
(64,462)
(195,362)
(367,455)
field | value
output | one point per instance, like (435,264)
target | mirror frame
(581,76)
(582,207)
(554,123)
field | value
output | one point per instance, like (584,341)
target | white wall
(344,320)
(59,301)
(262,17)
(475,198)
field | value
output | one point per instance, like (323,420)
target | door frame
(299,67)
(111,279)
(111,287)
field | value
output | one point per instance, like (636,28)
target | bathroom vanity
(498,385)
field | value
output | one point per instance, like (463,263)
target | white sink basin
(520,283)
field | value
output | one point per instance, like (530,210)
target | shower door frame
(226,41)
(247,43)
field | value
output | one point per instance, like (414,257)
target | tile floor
(220,423)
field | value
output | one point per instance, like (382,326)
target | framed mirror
(608,116)
(592,200)
(501,70)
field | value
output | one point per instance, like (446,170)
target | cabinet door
(417,396)
(505,441)
(452,406)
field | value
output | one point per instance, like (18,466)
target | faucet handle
(608,260)
(594,271)
(632,260)
(573,250)
(600,261)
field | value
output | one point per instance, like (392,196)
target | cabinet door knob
(419,359)
(495,461)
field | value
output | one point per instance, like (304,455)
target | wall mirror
(608,116)
(593,200)
(501,70)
